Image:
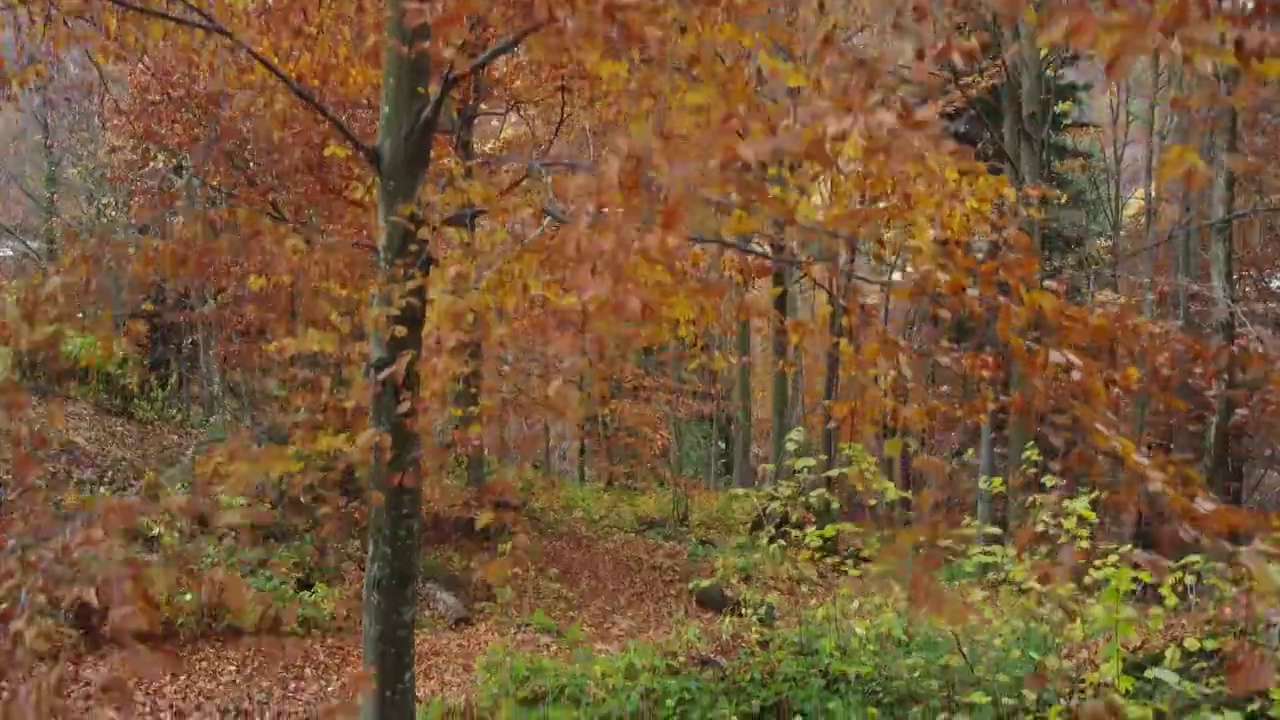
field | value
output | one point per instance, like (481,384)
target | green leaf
(1165,674)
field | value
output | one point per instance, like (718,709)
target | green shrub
(1018,641)
(847,659)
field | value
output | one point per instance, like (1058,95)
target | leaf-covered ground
(609,589)
(96,450)
(613,591)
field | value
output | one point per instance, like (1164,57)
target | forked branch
(426,124)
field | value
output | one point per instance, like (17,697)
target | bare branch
(23,243)
(157,14)
(1237,215)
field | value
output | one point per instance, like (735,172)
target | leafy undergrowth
(601,592)
(594,615)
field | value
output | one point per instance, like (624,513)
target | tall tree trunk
(795,374)
(1148,232)
(1011,136)
(716,452)
(1218,458)
(1120,123)
(580,460)
(778,414)
(1186,210)
(397,319)
(467,392)
(743,473)
(831,377)
(1033,112)
(1187,242)
(986,470)
(49,230)
(676,368)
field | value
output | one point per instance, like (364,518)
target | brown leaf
(1250,670)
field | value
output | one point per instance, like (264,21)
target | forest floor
(612,588)
(580,572)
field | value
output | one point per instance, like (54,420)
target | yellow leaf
(485,519)
(1269,69)
(1181,161)
(339,151)
(610,69)
(318,340)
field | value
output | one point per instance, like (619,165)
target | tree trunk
(1148,234)
(795,371)
(1024,100)
(467,393)
(831,378)
(395,476)
(743,473)
(1186,212)
(676,368)
(1218,459)
(49,231)
(1035,122)
(986,470)
(781,383)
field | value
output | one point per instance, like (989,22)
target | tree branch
(205,22)
(425,127)
(495,53)
(22,242)
(1194,225)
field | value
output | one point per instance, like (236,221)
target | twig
(963,654)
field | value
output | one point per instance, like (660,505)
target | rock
(450,596)
(715,598)
(647,524)
(444,602)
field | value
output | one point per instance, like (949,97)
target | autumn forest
(408,359)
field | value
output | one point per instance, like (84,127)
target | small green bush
(844,660)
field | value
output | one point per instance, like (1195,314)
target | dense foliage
(737,358)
